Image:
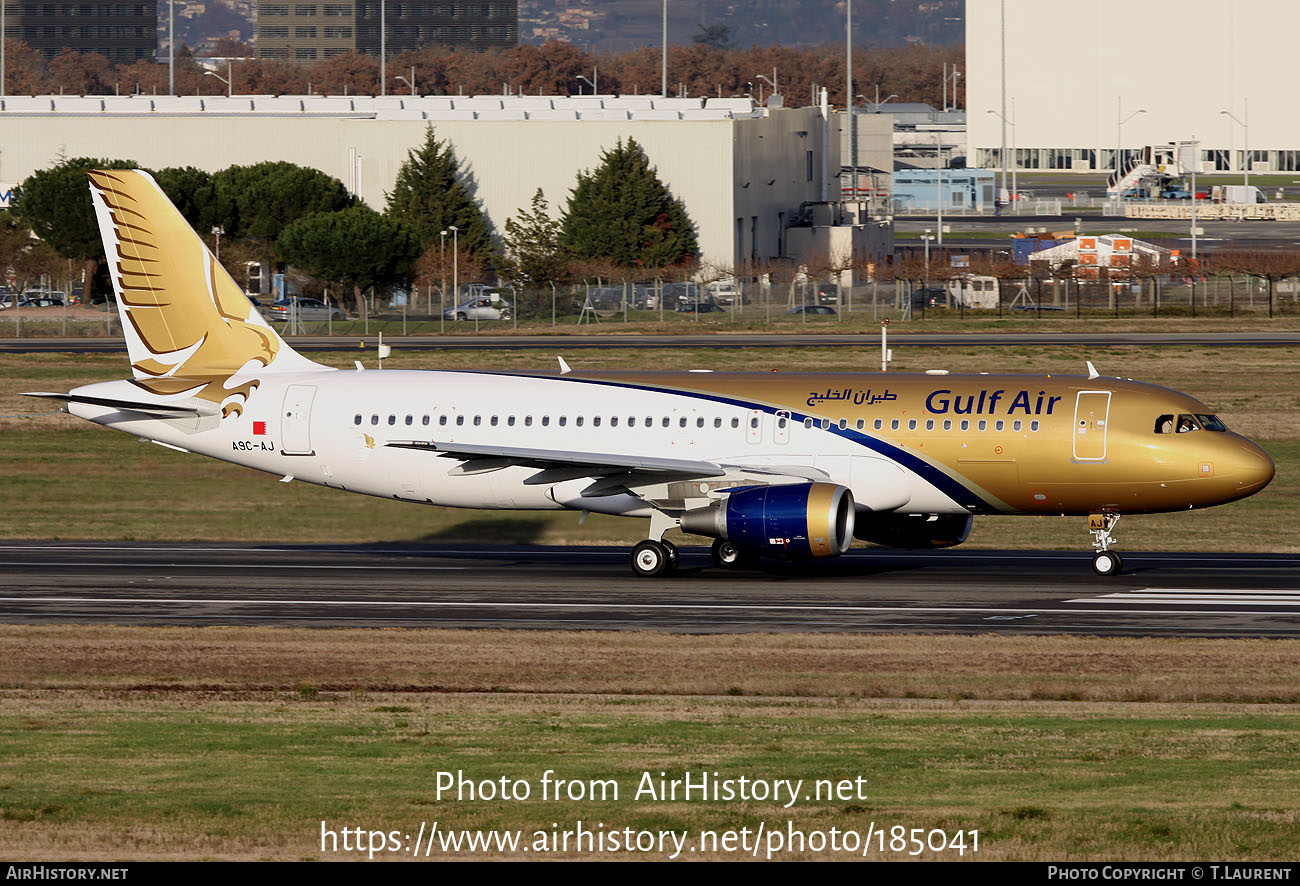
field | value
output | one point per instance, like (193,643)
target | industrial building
(306,32)
(121,32)
(747,175)
(1085,82)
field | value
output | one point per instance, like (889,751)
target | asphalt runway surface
(571,588)
(560,344)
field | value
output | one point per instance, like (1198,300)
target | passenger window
(478,420)
(578,421)
(878,424)
(410,420)
(1165,424)
(357,419)
(826,424)
(613,421)
(735,422)
(929,424)
(442,421)
(1016,425)
(1000,426)
(911,424)
(665,421)
(780,422)
(510,421)
(862,423)
(1033,425)
(681,422)
(893,424)
(546,421)
(392,420)
(844,423)
(983,425)
(595,421)
(460,420)
(494,421)
(649,422)
(425,421)
(699,422)
(717,422)
(564,419)
(374,419)
(528,421)
(807,422)
(947,424)
(753,422)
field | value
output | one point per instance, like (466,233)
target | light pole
(878,102)
(218,231)
(771,83)
(848,92)
(442,289)
(926,237)
(663,72)
(1245,148)
(1120,120)
(1003,115)
(383,48)
(591,83)
(455,263)
(228,79)
(411,82)
(938,203)
(171,47)
(1012,124)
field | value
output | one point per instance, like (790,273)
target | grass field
(132,743)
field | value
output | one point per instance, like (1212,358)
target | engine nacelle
(799,521)
(914,530)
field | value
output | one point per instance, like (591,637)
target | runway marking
(715,607)
(1207,596)
(421,567)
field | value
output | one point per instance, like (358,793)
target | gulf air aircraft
(773,464)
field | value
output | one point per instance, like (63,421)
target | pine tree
(533,244)
(623,212)
(432,194)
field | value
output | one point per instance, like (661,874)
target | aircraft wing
(610,472)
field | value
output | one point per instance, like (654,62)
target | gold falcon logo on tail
(188,326)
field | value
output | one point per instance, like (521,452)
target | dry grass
(255,660)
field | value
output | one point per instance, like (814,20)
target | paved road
(560,344)
(583,588)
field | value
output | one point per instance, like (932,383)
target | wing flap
(600,463)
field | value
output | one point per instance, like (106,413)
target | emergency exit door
(295,420)
(1091,412)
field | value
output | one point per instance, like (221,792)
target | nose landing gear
(1104,561)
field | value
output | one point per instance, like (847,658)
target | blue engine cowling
(799,521)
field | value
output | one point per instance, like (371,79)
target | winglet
(1092,370)
(564,367)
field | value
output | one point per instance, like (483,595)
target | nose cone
(1252,468)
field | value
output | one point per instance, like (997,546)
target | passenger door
(1091,411)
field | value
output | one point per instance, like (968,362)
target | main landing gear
(1105,561)
(651,558)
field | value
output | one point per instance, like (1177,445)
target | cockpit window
(1187,424)
(1211,422)
(1165,424)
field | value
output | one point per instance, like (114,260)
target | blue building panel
(961,190)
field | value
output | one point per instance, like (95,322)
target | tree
(432,194)
(258,202)
(622,211)
(714,36)
(55,204)
(357,246)
(533,245)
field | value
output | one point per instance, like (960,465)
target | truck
(1237,194)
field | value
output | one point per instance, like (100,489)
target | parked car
(929,296)
(690,307)
(724,292)
(304,309)
(681,292)
(484,308)
(812,309)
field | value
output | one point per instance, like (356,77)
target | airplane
(786,465)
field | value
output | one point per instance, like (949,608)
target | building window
(309,31)
(304,9)
(304,53)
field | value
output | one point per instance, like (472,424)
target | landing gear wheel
(649,558)
(728,556)
(1107,563)
(674,559)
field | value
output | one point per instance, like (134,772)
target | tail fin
(184,318)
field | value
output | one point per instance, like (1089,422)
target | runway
(560,344)
(578,588)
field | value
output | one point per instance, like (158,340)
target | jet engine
(799,521)
(913,530)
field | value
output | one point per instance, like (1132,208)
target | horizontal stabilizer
(160,410)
